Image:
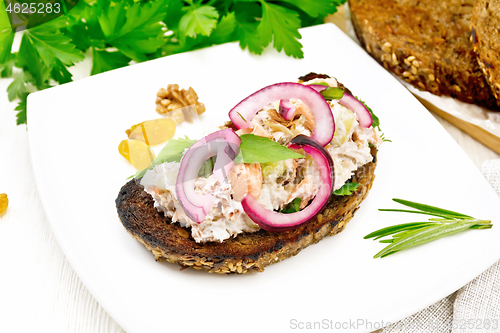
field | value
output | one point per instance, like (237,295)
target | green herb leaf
(144,17)
(247,37)
(347,189)
(84,28)
(6,35)
(207,168)
(45,53)
(52,46)
(142,33)
(174,13)
(60,74)
(292,207)
(413,212)
(382,136)
(332,93)
(79,33)
(397,228)
(143,30)
(225,30)
(105,61)
(21,111)
(111,17)
(198,20)
(17,88)
(411,234)
(53,19)
(258,149)
(239,114)
(172,152)
(431,209)
(317,7)
(136,30)
(29,59)
(248,17)
(424,235)
(281,25)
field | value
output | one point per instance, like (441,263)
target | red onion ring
(317,87)
(352,103)
(274,221)
(287,109)
(225,144)
(244,111)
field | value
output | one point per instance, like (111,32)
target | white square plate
(74,132)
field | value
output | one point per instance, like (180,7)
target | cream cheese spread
(282,181)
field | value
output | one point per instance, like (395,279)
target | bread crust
(247,252)
(486,39)
(426,43)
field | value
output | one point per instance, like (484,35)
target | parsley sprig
(116,32)
(445,223)
(292,207)
(346,189)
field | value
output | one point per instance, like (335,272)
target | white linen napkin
(473,308)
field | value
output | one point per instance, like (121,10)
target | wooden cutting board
(480,134)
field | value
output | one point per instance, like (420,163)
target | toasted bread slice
(248,252)
(486,39)
(426,43)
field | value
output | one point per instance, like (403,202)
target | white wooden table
(39,291)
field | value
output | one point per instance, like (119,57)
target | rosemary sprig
(406,235)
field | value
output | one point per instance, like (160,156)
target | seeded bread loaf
(426,43)
(486,39)
(248,252)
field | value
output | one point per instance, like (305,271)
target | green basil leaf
(172,152)
(258,149)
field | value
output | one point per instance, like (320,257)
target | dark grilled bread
(426,43)
(248,252)
(486,39)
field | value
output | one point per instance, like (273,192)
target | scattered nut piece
(172,98)
(177,116)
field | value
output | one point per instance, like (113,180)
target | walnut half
(172,98)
